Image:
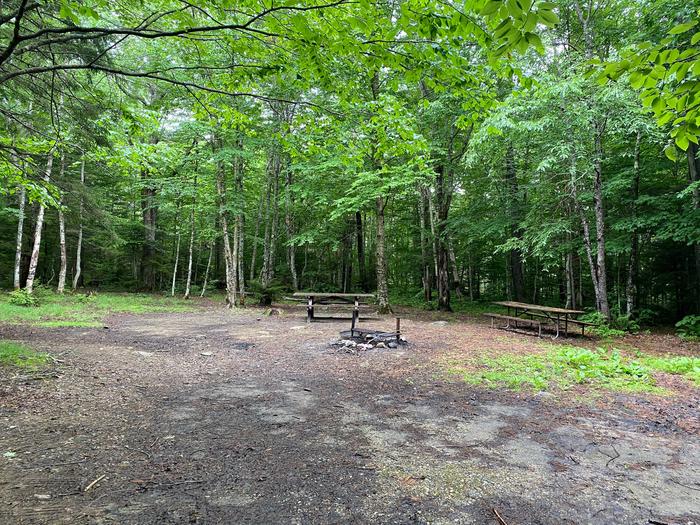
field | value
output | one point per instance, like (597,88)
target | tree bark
(206,272)
(633,264)
(274,169)
(289,223)
(34,260)
(604,307)
(177,251)
(255,238)
(443,192)
(360,240)
(231,281)
(515,257)
(20,234)
(382,274)
(426,277)
(149,212)
(694,172)
(62,235)
(191,247)
(79,247)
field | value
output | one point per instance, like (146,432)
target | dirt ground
(230,417)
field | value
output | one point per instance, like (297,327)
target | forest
(439,153)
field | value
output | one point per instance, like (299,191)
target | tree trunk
(191,248)
(382,277)
(231,281)
(177,253)
(34,260)
(289,223)
(62,235)
(694,172)
(426,278)
(360,239)
(600,224)
(633,264)
(570,281)
(79,248)
(268,271)
(442,206)
(255,238)
(149,211)
(20,234)
(515,257)
(206,272)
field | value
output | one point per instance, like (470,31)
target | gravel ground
(229,417)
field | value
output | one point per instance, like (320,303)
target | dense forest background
(436,152)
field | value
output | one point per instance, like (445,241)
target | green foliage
(689,327)
(681,365)
(23,298)
(78,310)
(18,355)
(267,293)
(562,367)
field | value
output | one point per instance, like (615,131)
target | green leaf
(670,152)
(682,28)
(491,7)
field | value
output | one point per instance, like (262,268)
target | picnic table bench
(314,298)
(538,315)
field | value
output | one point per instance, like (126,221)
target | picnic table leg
(566,325)
(356,309)
(557,327)
(310,310)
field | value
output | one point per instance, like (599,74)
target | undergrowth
(15,354)
(84,310)
(562,367)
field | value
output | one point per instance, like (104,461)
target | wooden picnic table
(552,313)
(317,298)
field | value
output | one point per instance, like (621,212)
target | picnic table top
(538,307)
(315,294)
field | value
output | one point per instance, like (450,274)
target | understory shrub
(23,298)
(689,327)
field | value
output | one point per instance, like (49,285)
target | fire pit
(367,338)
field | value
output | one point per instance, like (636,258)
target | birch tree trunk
(79,248)
(206,272)
(191,249)
(228,259)
(604,307)
(177,257)
(633,265)
(62,235)
(34,260)
(20,234)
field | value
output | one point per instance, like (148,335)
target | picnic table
(314,298)
(536,315)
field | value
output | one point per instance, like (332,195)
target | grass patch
(85,311)
(15,354)
(562,367)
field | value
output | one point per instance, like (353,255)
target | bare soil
(231,417)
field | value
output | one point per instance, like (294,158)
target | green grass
(562,367)
(15,354)
(82,311)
